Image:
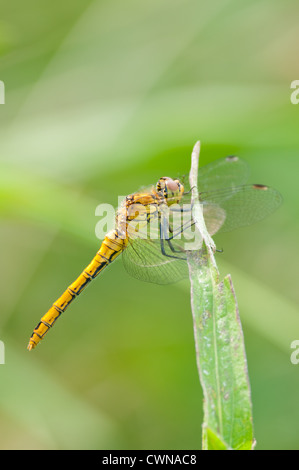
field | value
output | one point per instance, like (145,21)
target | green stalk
(219,343)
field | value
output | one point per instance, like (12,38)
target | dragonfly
(154,228)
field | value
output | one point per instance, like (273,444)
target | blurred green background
(102,98)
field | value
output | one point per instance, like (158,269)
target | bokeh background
(101,98)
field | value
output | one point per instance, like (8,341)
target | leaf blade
(220,350)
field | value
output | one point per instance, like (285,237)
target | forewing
(239,206)
(226,172)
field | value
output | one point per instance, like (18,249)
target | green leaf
(212,441)
(220,351)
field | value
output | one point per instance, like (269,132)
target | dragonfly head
(171,190)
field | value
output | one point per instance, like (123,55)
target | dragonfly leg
(174,250)
(167,228)
(181,209)
(183,227)
(166,254)
(163,238)
(181,231)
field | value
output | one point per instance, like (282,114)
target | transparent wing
(155,253)
(144,260)
(227,205)
(226,172)
(239,207)
(230,208)
(149,259)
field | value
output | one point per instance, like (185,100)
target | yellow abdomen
(111,247)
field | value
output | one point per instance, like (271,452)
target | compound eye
(173,186)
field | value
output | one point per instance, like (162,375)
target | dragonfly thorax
(169,189)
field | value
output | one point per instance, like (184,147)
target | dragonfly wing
(226,172)
(239,206)
(153,254)
(214,217)
(144,260)
(228,208)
